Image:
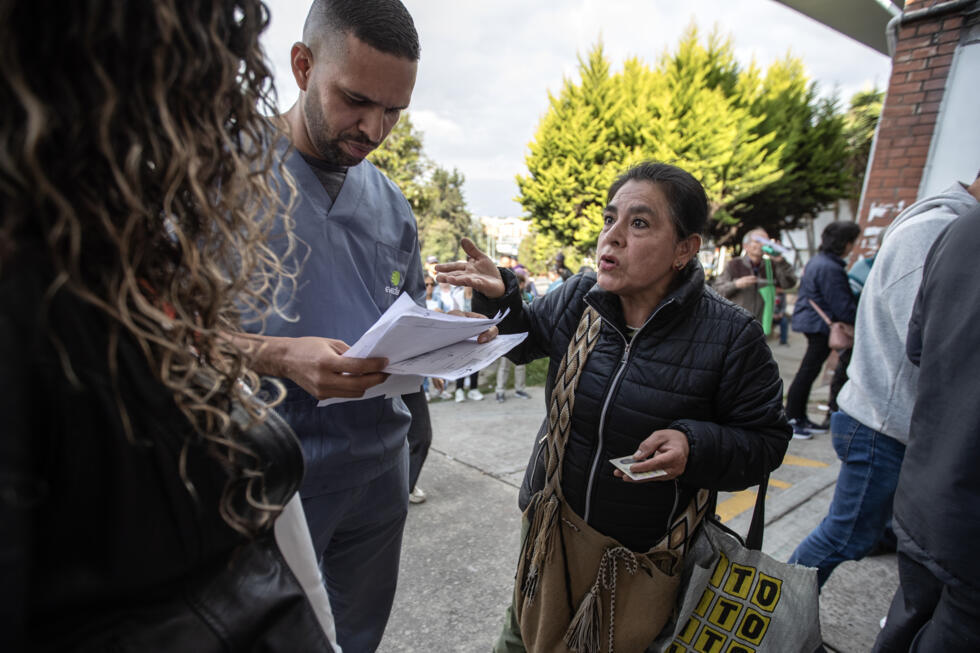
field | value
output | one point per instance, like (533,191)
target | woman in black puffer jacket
(679,377)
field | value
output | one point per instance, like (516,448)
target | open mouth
(607,262)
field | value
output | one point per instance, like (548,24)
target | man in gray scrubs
(358,252)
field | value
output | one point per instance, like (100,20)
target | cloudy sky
(487,66)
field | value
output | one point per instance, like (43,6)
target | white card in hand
(623,465)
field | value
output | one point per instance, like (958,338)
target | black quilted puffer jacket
(699,364)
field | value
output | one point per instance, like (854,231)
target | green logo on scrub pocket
(396,278)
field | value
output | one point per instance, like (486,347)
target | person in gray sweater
(871,429)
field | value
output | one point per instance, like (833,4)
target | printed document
(418,342)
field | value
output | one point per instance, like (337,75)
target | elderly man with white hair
(744,278)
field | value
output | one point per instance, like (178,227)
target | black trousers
(817,351)
(927,615)
(419,435)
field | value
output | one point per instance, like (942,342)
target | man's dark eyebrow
(363,98)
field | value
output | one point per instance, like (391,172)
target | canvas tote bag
(577,589)
(736,599)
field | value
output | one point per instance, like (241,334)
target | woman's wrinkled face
(638,246)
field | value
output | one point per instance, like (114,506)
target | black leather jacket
(102,545)
(699,364)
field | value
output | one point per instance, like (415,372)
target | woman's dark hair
(837,235)
(685,194)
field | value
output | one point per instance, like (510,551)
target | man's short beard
(326,148)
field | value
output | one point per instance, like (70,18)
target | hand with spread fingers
(478,272)
(666,449)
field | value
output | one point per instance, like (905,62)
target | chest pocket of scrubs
(390,267)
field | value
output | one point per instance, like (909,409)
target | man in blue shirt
(357,251)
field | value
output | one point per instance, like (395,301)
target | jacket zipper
(624,361)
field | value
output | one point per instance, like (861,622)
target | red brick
(934,85)
(939,72)
(927,27)
(891,131)
(918,150)
(943,60)
(918,75)
(917,161)
(900,89)
(949,47)
(928,51)
(906,32)
(928,107)
(893,110)
(909,66)
(910,99)
(953,22)
(951,36)
(913,42)
(935,96)
(906,121)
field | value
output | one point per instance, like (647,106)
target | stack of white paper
(418,342)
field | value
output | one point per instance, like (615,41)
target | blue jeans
(862,503)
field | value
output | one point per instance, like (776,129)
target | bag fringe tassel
(584,631)
(544,524)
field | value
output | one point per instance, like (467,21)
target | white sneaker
(475,395)
(445,395)
(460,396)
(417,495)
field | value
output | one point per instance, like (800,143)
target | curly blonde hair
(133,143)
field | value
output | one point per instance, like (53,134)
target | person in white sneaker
(462,394)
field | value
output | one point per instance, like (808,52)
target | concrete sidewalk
(460,547)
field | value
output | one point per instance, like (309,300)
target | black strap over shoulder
(753,539)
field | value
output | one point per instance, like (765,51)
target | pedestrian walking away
(872,428)
(824,283)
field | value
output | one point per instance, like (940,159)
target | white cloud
(487,67)
(437,128)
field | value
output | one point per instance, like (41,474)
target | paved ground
(460,547)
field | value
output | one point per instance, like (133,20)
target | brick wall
(923,54)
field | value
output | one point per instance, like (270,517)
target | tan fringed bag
(577,589)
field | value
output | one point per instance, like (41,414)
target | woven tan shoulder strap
(563,394)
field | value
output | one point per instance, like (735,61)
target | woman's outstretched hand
(666,449)
(477,271)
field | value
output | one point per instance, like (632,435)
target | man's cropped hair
(385,25)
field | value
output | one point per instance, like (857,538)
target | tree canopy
(434,193)
(767,148)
